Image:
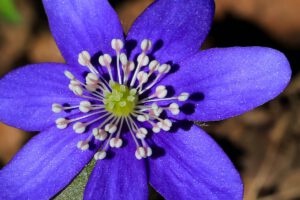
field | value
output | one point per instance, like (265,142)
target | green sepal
(76,188)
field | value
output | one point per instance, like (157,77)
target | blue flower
(129,102)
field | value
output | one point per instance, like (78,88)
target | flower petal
(27,95)
(177,28)
(82,25)
(227,82)
(119,177)
(45,165)
(193,167)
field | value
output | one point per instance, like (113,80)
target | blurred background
(264,144)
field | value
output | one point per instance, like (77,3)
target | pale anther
(116,142)
(123,59)
(91,88)
(165,68)
(79,127)
(92,78)
(100,155)
(165,124)
(142,77)
(157,111)
(146,45)
(84,58)
(142,152)
(174,108)
(69,75)
(161,91)
(153,65)
(142,118)
(100,134)
(137,155)
(111,128)
(73,84)
(85,106)
(143,59)
(117,44)
(77,90)
(131,66)
(57,108)
(61,123)
(156,128)
(183,96)
(141,133)
(105,60)
(149,151)
(83,145)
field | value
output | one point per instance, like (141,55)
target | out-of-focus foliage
(8,11)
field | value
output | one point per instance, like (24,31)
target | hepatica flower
(128,102)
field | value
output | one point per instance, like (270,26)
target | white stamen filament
(106,100)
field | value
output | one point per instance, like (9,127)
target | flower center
(121,101)
(110,104)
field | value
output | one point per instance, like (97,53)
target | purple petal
(177,28)
(79,25)
(227,82)
(27,95)
(119,177)
(46,164)
(193,167)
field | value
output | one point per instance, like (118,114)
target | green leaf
(75,190)
(8,11)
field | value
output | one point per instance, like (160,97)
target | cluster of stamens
(118,103)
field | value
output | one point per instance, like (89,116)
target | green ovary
(121,101)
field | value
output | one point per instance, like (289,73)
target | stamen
(61,123)
(142,133)
(115,102)
(153,66)
(111,128)
(57,108)
(149,151)
(143,118)
(183,96)
(161,91)
(79,127)
(174,108)
(164,69)
(165,124)
(100,134)
(69,75)
(146,45)
(140,153)
(83,145)
(117,45)
(84,59)
(78,90)
(128,68)
(130,126)
(143,60)
(100,155)
(92,79)
(105,61)
(116,142)
(142,78)
(85,106)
